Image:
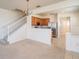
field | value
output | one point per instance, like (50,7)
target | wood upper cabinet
(45,21)
(39,21)
(33,20)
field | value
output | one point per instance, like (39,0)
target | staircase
(11,21)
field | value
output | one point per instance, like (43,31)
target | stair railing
(7,30)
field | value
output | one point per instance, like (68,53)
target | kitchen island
(42,35)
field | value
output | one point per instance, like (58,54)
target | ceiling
(21,4)
(63,10)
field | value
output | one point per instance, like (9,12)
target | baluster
(8,32)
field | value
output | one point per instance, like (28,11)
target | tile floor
(28,49)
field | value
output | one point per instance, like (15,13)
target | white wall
(18,35)
(72,38)
(75,23)
(74,19)
(72,42)
(38,34)
(31,32)
(43,35)
(7,16)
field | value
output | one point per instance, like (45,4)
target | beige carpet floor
(28,49)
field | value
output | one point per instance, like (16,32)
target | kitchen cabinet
(39,21)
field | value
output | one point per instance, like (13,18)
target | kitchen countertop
(47,27)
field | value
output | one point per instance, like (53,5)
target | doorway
(64,29)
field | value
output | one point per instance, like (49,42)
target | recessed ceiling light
(38,6)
